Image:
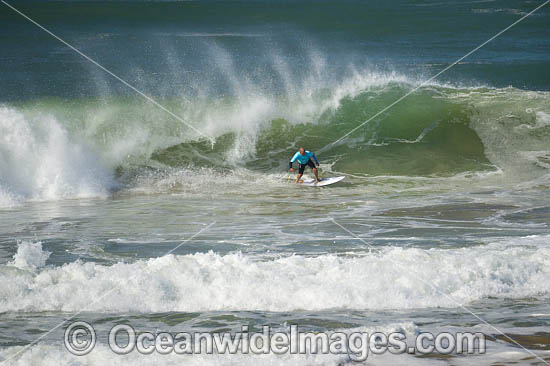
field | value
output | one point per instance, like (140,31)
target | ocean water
(447,192)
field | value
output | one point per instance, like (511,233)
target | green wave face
(422,135)
(435,131)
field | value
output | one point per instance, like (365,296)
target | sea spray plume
(147,97)
(303,96)
(250,107)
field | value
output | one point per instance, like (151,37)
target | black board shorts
(301,167)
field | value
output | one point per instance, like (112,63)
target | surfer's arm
(293,160)
(315,159)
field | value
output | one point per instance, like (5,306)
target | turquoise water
(449,187)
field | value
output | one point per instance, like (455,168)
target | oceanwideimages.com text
(80,338)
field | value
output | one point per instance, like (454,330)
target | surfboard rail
(323,182)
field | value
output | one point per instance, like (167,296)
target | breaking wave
(53,149)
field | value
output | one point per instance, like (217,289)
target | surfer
(304,158)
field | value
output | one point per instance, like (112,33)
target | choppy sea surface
(441,225)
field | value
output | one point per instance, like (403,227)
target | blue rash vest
(303,159)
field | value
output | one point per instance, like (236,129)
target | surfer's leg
(300,172)
(312,166)
(316,175)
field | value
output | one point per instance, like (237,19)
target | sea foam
(30,256)
(39,161)
(394,278)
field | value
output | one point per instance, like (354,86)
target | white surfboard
(323,182)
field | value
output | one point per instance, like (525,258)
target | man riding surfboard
(304,158)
